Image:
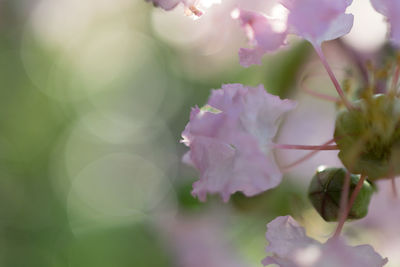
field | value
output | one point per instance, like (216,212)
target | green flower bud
(325,192)
(368,137)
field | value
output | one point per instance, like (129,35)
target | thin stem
(350,205)
(304,158)
(306,147)
(318,95)
(299,161)
(333,77)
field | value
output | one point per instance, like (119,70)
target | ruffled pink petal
(292,248)
(314,20)
(262,112)
(226,169)
(337,253)
(261,34)
(285,235)
(318,20)
(200,241)
(340,26)
(391,10)
(250,56)
(230,141)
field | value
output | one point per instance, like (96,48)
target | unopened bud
(325,193)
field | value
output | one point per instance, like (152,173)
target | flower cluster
(231,138)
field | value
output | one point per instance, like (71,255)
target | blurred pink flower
(290,247)
(314,20)
(318,20)
(391,10)
(262,34)
(383,220)
(230,140)
(384,205)
(201,241)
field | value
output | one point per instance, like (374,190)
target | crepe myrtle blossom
(200,240)
(192,7)
(314,20)
(230,141)
(291,247)
(391,10)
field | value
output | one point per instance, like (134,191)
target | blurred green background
(94,95)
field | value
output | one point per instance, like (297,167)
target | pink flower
(230,139)
(201,241)
(391,10)
(263,34)
(290,247)
(318,20)
(314,20)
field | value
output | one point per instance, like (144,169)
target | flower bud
(368,137)
(325,192)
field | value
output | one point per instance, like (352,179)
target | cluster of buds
(231,137)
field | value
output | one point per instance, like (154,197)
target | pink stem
(299,161)
(333,77)
(349,206)
(303,147)
(304,158)
(319,95)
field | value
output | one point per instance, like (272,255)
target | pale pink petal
(230,141)
(382,6)
(226,169)
(261,33)
(278,261)
(261,113)
(336,253)
(285,235)
(200,241)
(250,56)
(384,205)
(318,20)
(391,10)
(187,159)
(337,28)
(290,247)
(314,20)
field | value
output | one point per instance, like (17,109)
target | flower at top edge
(314,20)
(391,10)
